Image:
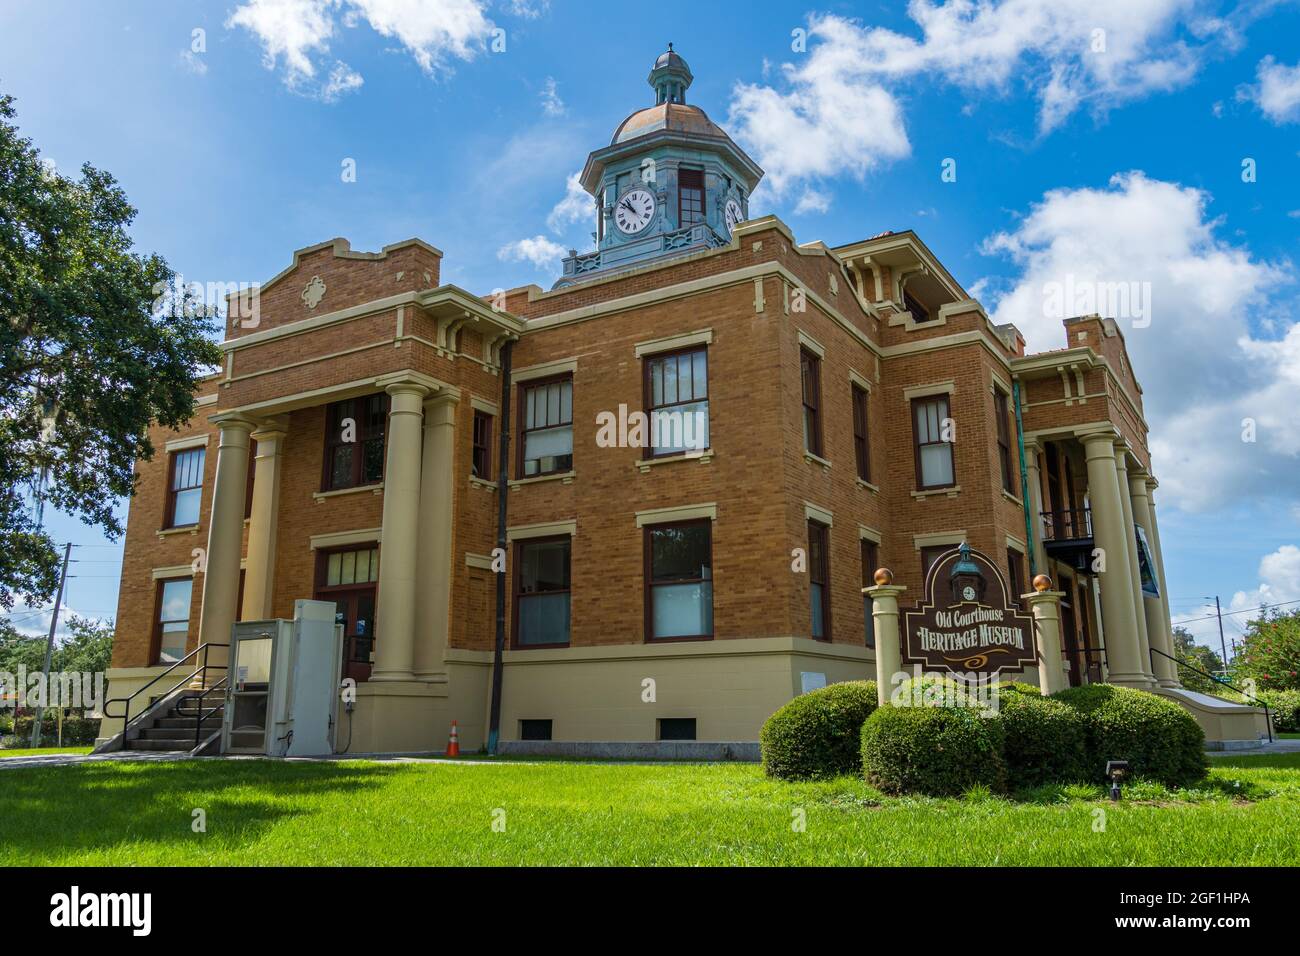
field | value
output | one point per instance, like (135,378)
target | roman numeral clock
(670,182)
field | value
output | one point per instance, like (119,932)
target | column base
(1135,680)
(1170,684)
(391,676)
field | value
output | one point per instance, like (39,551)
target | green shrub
(1045,740)
(938,751)
(1284,708)
(817,734)
(1160,740)
(76,730)
(1018,687)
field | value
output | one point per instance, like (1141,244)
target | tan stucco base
(1226,725)
(125,681)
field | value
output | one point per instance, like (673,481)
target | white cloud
(1279,581)
(193,62)
(838,110)
(528,9)
(343,79)
(576,206)
(552,105)
(1203,368)
(297,32)
(1278,92)
(540,251)
(813,200)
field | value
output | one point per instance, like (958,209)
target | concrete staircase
(173,728)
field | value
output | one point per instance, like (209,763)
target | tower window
(690,192)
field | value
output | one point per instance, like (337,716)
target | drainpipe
(1024,478)
(503,488)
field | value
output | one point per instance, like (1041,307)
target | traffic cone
(453,742)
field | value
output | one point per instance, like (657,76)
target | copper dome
(678,117)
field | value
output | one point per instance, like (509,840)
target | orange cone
(453,742)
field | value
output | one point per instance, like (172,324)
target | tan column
(263,516)
(1135,577)
(1170,677)
(395,615)
(1118,613)
(433,554)
(884,613)
(1045,605)
(225,534)
(1035,507)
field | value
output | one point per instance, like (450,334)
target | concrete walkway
(1278,746)
(63,760)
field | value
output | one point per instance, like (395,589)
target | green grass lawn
(357,812)
(39,751)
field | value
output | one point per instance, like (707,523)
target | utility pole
(49,647)
(1223,645)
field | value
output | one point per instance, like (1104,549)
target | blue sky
(1097,140)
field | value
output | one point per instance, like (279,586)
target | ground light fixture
(1115,772)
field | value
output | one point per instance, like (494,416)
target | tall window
(349,579)
(810,375)
(677,399)
(185,489)
(354,442)
(481,459)
(173,624)
(933,453)
(547,442)
(679,579)
(1003,414)
(1016,570)
(870,561)
(819,578)
(861,449)
(542,592)
(690,191)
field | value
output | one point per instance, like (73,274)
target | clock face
(733,214)
(634,210)
(968,593)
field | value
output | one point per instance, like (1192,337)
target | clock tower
(670,182)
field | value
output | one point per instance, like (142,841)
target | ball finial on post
(1042,583)
(883,576)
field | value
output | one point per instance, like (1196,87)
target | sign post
(884,613)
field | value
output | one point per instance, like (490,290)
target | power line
(1247,610)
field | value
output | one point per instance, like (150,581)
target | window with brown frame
(1001,409)
(546,418)
(354,442)
(810,376)
(861,449)
(930,555)
(172,624)
(690,193)
(870,561)
(677,402)
(819,598)
(185,487)
(1016,570)
(542,592)
(481,459)
(679,580)
(933,452)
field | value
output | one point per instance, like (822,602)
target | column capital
(406,388)
(234,421)
(271,428)
(1099,444)
(877,591)
(1035,598)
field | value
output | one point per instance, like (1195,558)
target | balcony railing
(1072,525)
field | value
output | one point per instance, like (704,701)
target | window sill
(373,489)
(477,482)
(564,476)
(810,458)
(951,491)
(182,529)
(703,457)
(1012,498)
(874,489)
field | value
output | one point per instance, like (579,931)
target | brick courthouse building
(859,406)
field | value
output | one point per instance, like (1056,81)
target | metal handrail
(200,714)
(1073,523)
(200,669)
(1268,721)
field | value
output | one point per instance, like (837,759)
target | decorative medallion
(314,292)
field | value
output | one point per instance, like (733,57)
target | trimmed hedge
(938,751)
(76,730)
(1046,741)
(817,734)
(1284,708)
(1159,739)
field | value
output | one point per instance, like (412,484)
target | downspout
(503,488)
(1024,479)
